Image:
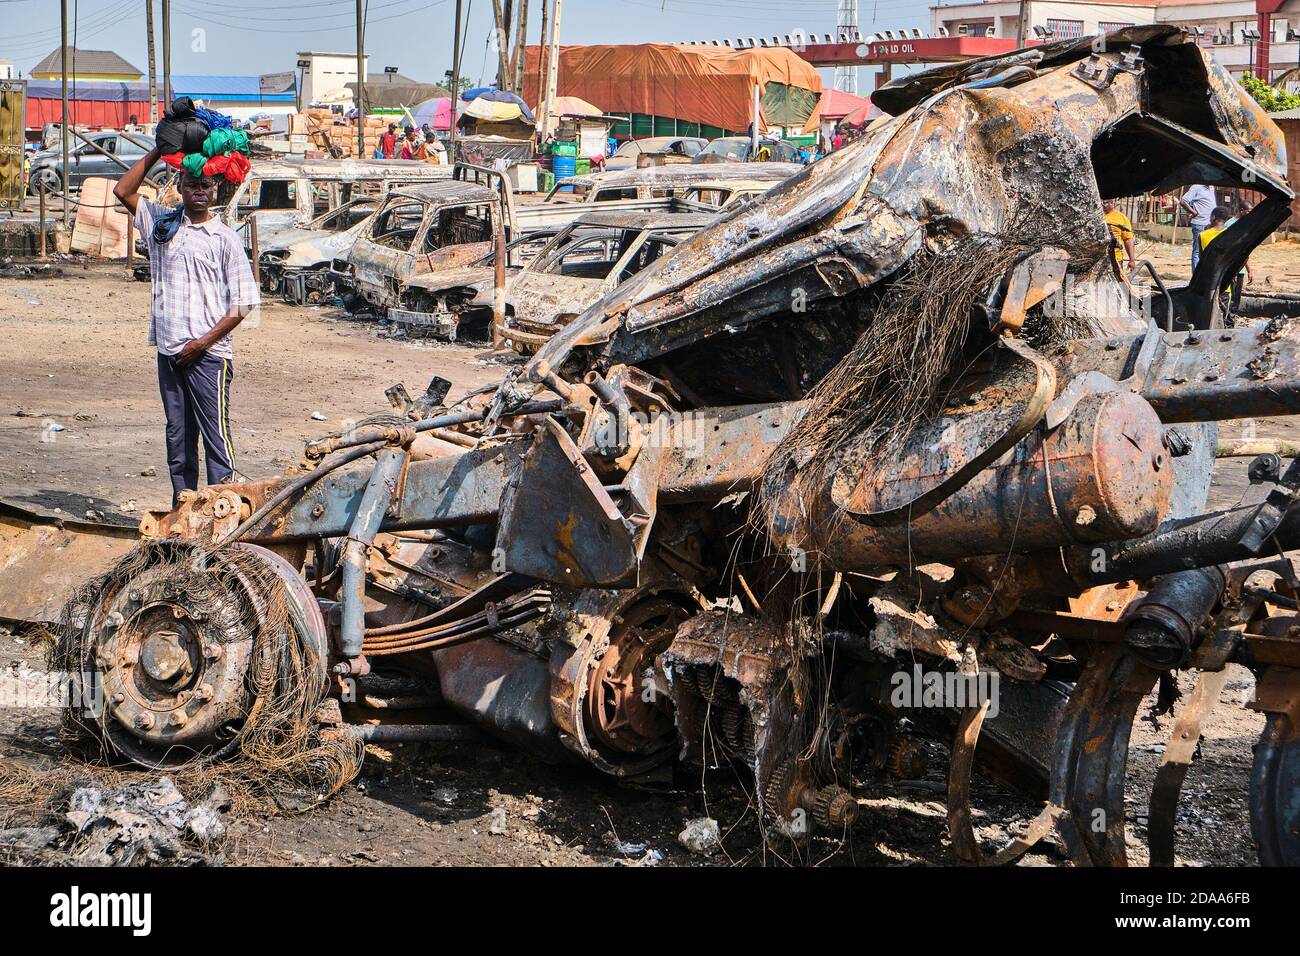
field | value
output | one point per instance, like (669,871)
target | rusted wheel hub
(173,645)
(625,709)
(166,656)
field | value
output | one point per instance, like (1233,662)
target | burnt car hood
(309,247)
(270,224)
(478,278)
(1049,130)
(541,300)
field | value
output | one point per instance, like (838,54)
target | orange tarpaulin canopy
(697,84)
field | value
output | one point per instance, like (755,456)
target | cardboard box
(524,177)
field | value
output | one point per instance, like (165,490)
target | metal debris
(692,527)
(136,825)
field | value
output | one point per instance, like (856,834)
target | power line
(212,4)
(345,26)
(694,6)
(29,47)
(111,14)
(347,14)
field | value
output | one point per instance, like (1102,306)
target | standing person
(1199,202)
(409,146)
(1121,230)
(202,289)
(436,151)
(1220,219)
(837,141)
(388,142)
(1244,207)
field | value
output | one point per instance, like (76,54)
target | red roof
(836,104)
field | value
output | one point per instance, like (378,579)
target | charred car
(659,182)
(459,301)
(898,421)
(289,193)
(426,229)
(296,262)
(587,259)
(426,260)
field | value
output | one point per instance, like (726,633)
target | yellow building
(86,65)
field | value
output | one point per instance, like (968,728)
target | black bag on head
(180,131)
(182,108)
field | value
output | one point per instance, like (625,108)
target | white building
(326,72)
(1228,27)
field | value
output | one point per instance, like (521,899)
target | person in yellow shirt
(1218,222)
(1220,219)
(1121,230)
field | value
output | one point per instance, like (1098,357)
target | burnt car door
(457,235)
(381,259)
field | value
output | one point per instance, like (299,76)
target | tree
(1270,98)
(465,82)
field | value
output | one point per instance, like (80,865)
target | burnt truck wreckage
(901,411)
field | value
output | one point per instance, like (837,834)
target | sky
(246,36)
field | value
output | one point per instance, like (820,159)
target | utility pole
(1022,23)
(501,17)
(153,72)
(167,51)
(543,55)
(552,68)
(361,85)
(455,84)
(63,65)
(521,41)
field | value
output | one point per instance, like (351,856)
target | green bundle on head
(192,163)
(222,141)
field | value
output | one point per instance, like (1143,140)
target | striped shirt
(197,277)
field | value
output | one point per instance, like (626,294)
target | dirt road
(73,354)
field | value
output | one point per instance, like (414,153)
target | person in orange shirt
(409,146)
(1121,230)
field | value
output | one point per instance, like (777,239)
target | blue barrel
(564,166)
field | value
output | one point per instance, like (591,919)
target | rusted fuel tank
(1103,474)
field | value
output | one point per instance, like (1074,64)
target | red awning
(862,115)
(836,104)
